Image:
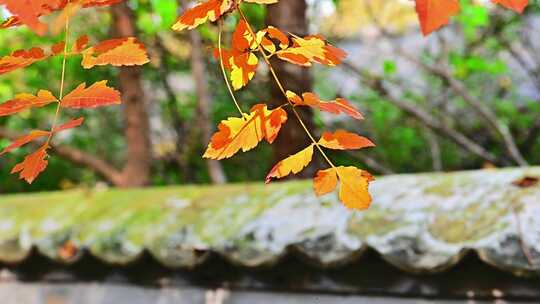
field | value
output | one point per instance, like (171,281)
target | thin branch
(425,118)
(282,89)
(78,157)
(498,126)
(220,34)
(62,81)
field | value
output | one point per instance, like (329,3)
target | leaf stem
(282,89)
(62,83)
(225,73)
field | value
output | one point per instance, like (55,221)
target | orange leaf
(39,133)
(435,13)
(307,50)
(25,140)
(240,60)
(292,164)
(30,15)
(516,5)
(343,140)
(69,125)
(28,12)
(20,59)
(32,165)
(11,22)
(211,10)
(353,190)
(116,52)
(262,1)
(58,48)
(97,95)
(80,44)
(245,133)
(325,181)
(92,3)
(25,101)
(336,106)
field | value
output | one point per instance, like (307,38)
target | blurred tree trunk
(204,104)
(290,16)
(136,171)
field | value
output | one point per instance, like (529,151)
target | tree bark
(290,16)
(136,171)
(204,105)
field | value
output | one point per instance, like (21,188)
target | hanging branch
(118,52)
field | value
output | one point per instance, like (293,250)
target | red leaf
(28,11)
(25,140)
(435,13)
(336,106)
(516,5)
(20,59)
(343,140)
(69,125)
(32,165)
(97,95)
(25,101)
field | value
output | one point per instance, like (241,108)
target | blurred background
(466,97)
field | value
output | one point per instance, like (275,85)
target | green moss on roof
(417,222)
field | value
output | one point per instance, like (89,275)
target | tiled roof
(419,223)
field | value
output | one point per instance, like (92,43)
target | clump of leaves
(239,64)
(117,52)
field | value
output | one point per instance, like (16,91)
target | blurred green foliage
(403,144)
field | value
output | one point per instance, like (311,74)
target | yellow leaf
(245,133)
(353,190)
(117,52)
(292,164)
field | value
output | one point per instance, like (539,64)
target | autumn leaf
(68,251)
(240,60)
(433,14)
(80,44)
(245,133)
(307,50)
(116,52)
(292,164)
(336,106)
(36,134)
(97,95)
(262,1)
(516,5)
(30,137)
(10,22)
(267,36)
(343,140)
(26,101)
(353,190)
(69,125)
(29,11)
(325,181)
(207,11)
(20,59)
(32,165)
(93,3)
